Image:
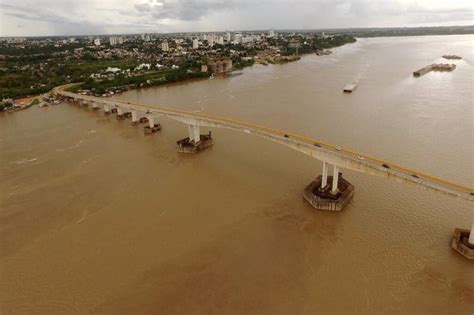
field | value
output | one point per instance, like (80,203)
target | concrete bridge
(319,193)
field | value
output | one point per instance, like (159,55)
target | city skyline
(56,18)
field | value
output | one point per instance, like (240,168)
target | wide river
(96,217)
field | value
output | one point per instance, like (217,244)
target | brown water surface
(98,218)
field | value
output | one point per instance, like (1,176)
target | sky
(85,17)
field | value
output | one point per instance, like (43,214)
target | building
(220,40)
(97,41)
(237,39)
(195,43)
(116,40)
(165,46)
(246,39)
(271,33)
(220,66)
(227,37)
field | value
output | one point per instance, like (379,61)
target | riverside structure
(319,194)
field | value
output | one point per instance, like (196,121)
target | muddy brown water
(98,218)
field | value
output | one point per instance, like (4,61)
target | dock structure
(434,67)
(319,193)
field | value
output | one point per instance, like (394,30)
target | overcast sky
(75,17)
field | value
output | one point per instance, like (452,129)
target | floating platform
(350,87)
(460,243)
(452,57)
(323,199)
(149,130)
(186,146)
(434,67)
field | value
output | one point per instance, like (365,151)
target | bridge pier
(95,106)
(152,126)
(123,113)
(463,242)
(120,114)
(195,142)
(135,119)
(324,197)
(85,103)
(106,109)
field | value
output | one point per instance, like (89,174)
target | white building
(165,46)
(195,43)
(247,39)
(271,33)
(97,41)
(114,40)
(237,39)
(220,40)
(227,37)
(143,66)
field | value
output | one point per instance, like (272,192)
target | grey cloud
(185,10)
(118,16)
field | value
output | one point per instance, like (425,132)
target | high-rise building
(195,43)
(97,41)
(227,37)
(220,40)
(271,33)
(237,39)
(165,46)
(114,40)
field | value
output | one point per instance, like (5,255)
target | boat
(452,57)
(350,87)
(235,74)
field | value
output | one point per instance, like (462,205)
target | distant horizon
(286,30)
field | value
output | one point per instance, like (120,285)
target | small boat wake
(23,161)
(71,147)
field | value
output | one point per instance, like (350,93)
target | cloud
(55,17)
(185,10)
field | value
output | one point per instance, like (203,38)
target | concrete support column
(119,111)
(335,179)
(134,116)
(151,121)
(471,236)
(194,133)
(106,108)
(324,181)
(94,105)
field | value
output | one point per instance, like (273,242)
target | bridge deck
(327,152)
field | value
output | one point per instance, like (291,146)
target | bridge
(320,194)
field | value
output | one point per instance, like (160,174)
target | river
(98,218)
